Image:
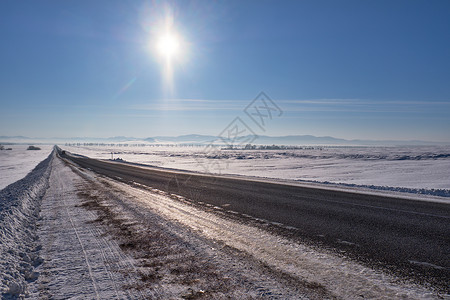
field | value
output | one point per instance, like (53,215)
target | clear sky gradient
(349,69)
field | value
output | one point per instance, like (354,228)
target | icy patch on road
(19,211)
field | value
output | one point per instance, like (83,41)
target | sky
(369,69)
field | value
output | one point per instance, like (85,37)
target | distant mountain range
(206,139)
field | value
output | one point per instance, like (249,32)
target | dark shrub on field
(33,148)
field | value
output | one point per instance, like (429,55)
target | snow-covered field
(16,163)
(415,167)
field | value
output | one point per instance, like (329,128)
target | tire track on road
(79,260)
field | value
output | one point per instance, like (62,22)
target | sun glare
(170,49)
(168,45)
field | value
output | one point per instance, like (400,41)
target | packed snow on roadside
(414,169)
(79,260)
(16,163)
(19,211)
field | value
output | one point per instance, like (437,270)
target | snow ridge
(19,212)
(432,192)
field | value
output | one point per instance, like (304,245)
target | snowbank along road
(119,233)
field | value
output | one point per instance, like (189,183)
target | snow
(96,238)
(16,163)
(337,276)
(19,210)
(79,262)
(86,255)
(49,245)
(415,169)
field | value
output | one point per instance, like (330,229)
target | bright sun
(168,45)
(170,48)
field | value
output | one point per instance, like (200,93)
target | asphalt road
(408,237)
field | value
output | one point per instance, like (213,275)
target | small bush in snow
(33,148)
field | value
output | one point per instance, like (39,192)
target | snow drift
(19,212)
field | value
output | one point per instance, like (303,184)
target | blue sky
(349,69)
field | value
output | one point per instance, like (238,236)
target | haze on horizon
(373,70)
